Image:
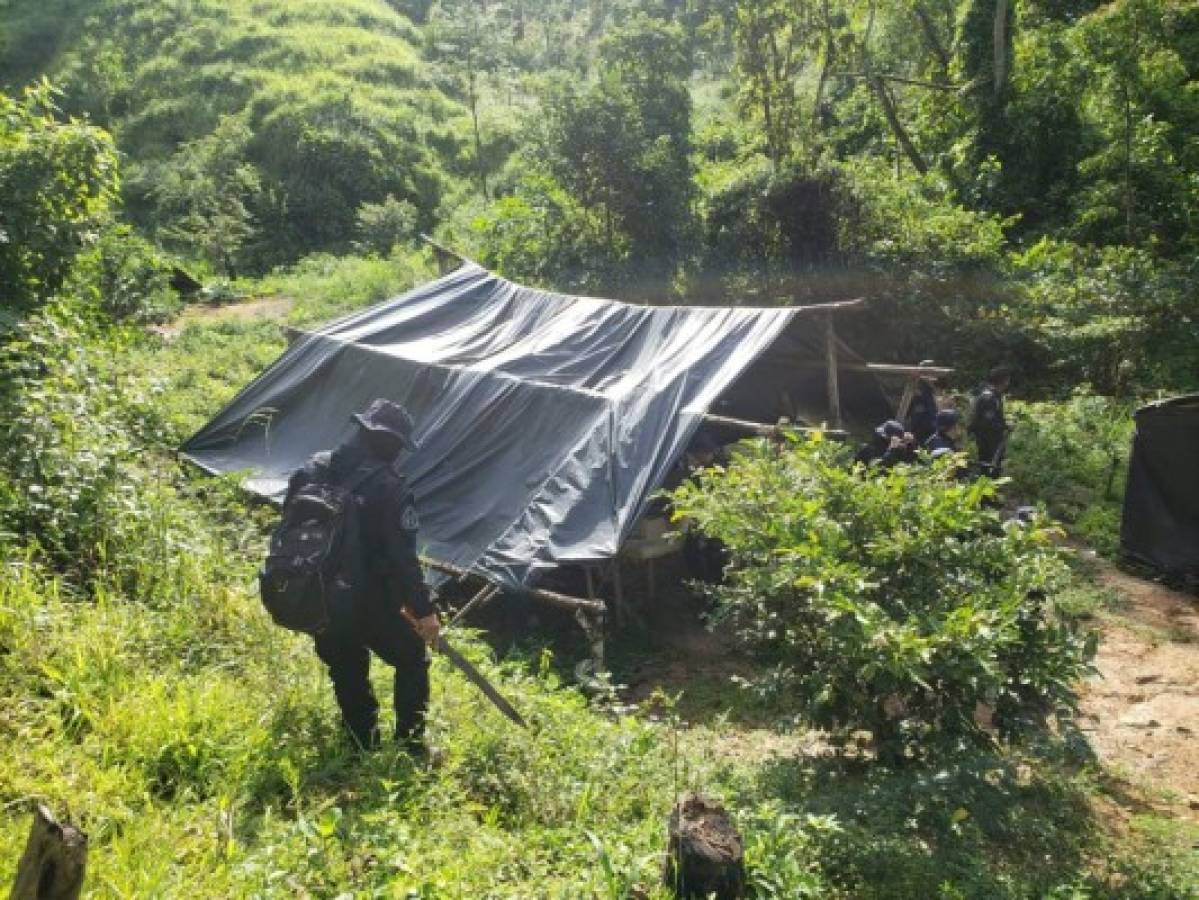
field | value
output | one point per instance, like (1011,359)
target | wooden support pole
(552,598)
(857,304)
(830,359)
(896,369)
(905,401)
(478,601)
(53,864)
(875,368)
(448,259)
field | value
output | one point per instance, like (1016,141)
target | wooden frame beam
(763,429)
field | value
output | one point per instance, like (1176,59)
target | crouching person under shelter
(889,445)
(385,608)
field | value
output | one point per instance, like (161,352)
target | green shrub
(57,180)
(897,602)
(383,225)
(126,277)
(1073,457)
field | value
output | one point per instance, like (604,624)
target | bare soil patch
(240,311)
(1141,713)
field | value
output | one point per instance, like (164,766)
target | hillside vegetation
(255,130)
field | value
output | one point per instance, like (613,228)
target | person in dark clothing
(889,445)
(705,557)
(922,414)
(946,438)
(388,581)
(988,424)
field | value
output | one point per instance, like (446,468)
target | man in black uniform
(889,445)
(922,414)
(988,424)
(389,579)
(945,438)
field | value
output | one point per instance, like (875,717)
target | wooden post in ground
(830,359)
(54,860)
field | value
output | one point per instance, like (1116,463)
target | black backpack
(308,573)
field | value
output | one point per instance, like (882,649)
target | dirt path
(1142,713)
(238,311)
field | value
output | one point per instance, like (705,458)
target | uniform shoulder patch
(409,520)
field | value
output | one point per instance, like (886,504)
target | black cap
(890,429)
(389,417)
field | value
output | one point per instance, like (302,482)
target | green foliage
(896,602)
(326,286)
(126,277)
(67,479)
(905,222)
(383,225)
(1114,317)
(57,180)
(773,41)
(615,155)
(542,234)
(204,195)
(1073,457)
(255,130)
(1139,183)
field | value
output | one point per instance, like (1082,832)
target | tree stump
(706,853)
(52,865)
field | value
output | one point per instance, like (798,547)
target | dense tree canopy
(953,158)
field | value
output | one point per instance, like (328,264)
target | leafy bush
(897,602)
(57,180)
(126,278)
(383,225)
(1073,457)
(326,286)
(79,482)
(1113,317)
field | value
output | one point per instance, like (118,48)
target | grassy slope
(337,90)
(199,745)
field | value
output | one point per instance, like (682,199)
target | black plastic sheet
(1161,502)
(545,421)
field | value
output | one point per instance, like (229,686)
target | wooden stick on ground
(54,860)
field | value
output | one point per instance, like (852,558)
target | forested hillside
(1005,178)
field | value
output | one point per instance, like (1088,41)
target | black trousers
(990,455)
(346,648)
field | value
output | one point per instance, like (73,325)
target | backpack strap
(362,477)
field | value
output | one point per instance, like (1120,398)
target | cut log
(53,863)
(706,854)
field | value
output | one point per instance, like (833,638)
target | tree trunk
(929,29)
(53,863)
(474,116)
(706,853)
(825,66)
(1000,48)
(892,115)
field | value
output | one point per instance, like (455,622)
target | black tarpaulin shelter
(546,422)
(1161,501)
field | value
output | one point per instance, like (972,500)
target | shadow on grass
(982,825)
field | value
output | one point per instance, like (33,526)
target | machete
(474,676)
